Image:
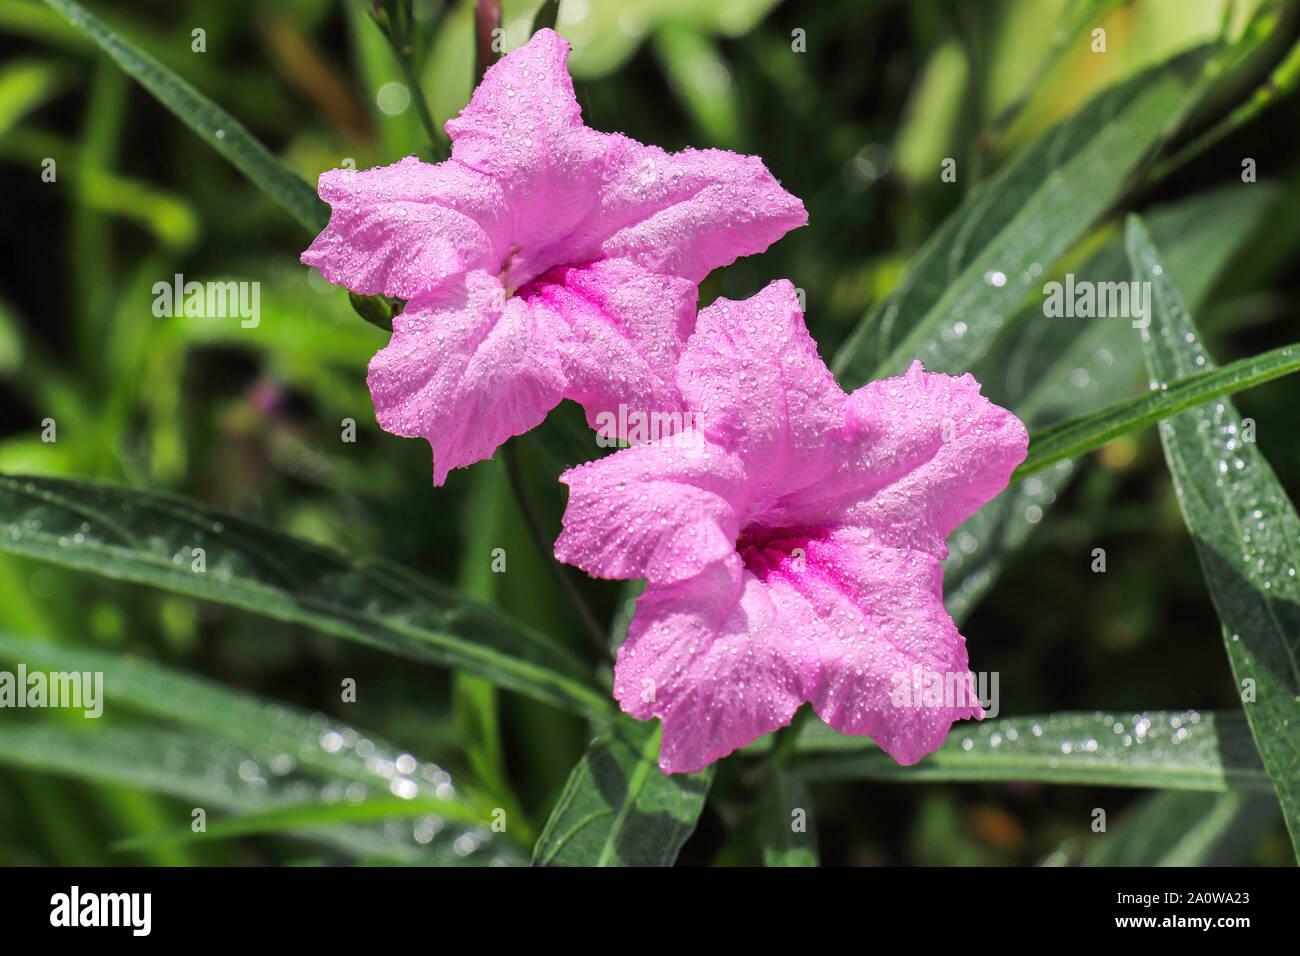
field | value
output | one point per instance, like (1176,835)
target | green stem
(398,30)
(437,138)
(787,738)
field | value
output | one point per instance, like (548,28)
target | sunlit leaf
(618,808)
(992,252)
(214,775)
(1073,437)
(159,540)
(1184,751)
(1056,368)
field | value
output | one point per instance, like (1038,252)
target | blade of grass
(1246,532)
(157,540)
(1074,436)
(1181,751)
(213,124)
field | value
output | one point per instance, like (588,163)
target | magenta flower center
(765,550)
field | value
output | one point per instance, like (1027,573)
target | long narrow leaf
(157,540)
(1182,751)
(1073,437)
(214,125)
(1246,532)
(1184,828)
(1058,368)
(297,817)
(991,253)
(214,775)
(308,740)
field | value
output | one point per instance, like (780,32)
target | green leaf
(214,125)
(301,816)
(1246,531)
(151,539)
(1181,751)
(1073,437)
(319,755)
(990,254)
(312,740)
(688,58)
(1184,828)
(213,774)
(25,85)
(170,218)
(608,20)
(786,828)
(565,436)
(12,346)
(1057,368)
(624,612)
(618,808)
(378,310)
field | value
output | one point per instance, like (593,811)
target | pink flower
(544,260)
(793,554)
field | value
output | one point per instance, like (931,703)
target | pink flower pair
(543,261)
(792,547)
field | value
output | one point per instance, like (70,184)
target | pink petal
(876,615)
(466,369)
(626,328)
(920,454)
(578,194)
(404,229)
(752,375)
(523,128)
(691,212)
(706,657)
(652,512)
(947,448)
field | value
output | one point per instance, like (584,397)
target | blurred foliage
(853,104)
